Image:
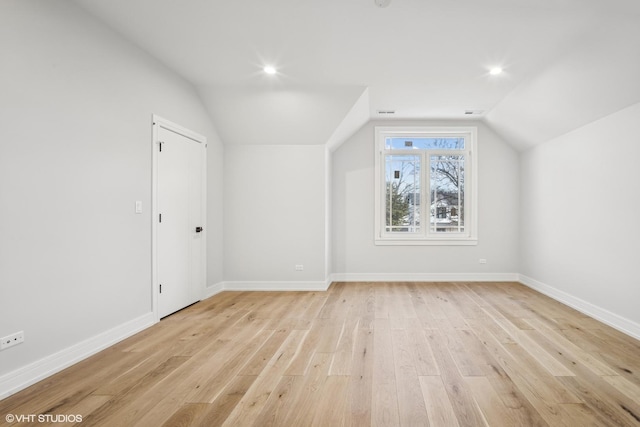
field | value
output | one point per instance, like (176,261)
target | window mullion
(426,194)
(382,201)
(460,199)
(389,205)
(415,214)
(469,226)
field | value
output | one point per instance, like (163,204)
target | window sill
(425,242)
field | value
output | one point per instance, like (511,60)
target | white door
(180,228)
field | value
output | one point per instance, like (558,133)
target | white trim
(174,127)
(318,285)
(157,123)
(616,321)
(154,216)
(212,290)
(277,286)
(425,277)
(431,242)
(25,376)
(203,216)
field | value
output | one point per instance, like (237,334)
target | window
(426,186)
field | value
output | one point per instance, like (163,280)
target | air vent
(473,112)
(386,112)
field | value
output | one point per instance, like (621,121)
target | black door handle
(199,229)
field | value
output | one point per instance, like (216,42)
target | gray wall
(274,209)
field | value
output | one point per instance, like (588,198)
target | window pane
(447,194)
(402,195)
(414,143)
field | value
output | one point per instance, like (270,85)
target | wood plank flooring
(360,354)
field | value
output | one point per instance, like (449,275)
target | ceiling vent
(473,112)
(386,112)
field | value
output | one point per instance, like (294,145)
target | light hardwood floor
(360,354)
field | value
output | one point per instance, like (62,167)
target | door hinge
(160,288)
(159,217)
(160,145)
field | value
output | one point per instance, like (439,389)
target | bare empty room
(297,213)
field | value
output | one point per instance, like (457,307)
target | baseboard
(22,378)
(620,323)
(276,286)
(213,290)
(425,277)
(357,277)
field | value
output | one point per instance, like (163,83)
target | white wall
(579,216)
(274,210)
(354,253)
(75,154)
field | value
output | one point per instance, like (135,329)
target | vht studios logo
(42,418)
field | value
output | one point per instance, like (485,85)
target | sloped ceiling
(287,116)
(598,77)
(566,62)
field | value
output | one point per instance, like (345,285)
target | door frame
(158,123)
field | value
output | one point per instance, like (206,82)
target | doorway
(178,218)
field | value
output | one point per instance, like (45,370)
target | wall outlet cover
(11,340)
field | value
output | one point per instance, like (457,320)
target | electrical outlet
(299,267)
(483,261)
(11,340)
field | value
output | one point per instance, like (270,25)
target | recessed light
(269,69)
(495,71)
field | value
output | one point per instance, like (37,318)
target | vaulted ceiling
(340,62)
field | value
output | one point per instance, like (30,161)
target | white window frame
(425,236)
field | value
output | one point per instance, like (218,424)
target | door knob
(199,229)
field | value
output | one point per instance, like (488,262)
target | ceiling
(339,62)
